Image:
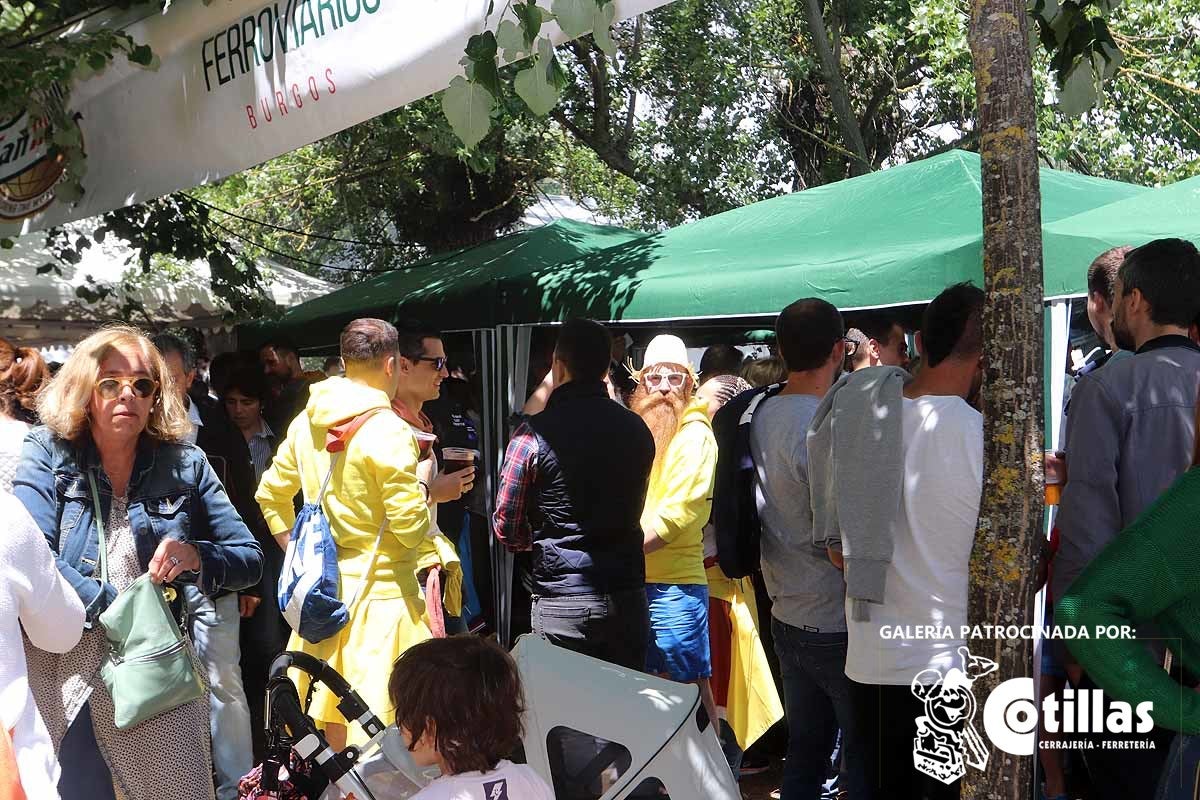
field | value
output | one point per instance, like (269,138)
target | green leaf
(97,61)
(487,75)
(1078,94)
(575,17)
(1106,60)
(99,235)
(142,54)
(535,84)
(6,243)
(511,39)
(531,17)
(482,47)
(45,269)
(481,69)
(468,108)
(603,18)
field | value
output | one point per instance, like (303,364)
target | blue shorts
(678,646)
(1052,665)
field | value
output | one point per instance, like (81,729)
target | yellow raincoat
(679,500)
(753,705)
(375,479)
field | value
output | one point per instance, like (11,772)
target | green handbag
(148,669)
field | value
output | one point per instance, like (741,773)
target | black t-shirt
(455,426)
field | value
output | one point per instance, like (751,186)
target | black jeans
(888,717)
(1123,774)
(613,627)
(817,702)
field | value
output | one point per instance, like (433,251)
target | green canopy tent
(454,290)
(894,237)
(1173,210)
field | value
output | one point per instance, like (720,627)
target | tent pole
(1058,334)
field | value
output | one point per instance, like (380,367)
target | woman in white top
(22,373)
(33,596)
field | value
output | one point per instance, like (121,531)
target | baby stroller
(300,764)
(651,732)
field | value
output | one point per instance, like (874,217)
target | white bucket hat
(666,349)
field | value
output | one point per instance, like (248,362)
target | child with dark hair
(458,705)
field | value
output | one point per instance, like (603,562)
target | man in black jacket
(572,490)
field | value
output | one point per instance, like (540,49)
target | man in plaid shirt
(571,490)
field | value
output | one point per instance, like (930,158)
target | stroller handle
(350,704)
(284,707)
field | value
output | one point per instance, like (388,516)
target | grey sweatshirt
(1130,434)
(857,432)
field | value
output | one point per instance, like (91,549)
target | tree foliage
(38,63)
(695,108)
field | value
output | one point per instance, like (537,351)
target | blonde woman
(110,421)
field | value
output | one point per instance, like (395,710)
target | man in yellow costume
(678,504)
(373,482)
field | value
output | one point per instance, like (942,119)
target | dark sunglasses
(110,388)
(439,362)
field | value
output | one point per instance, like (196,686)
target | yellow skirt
(363,652)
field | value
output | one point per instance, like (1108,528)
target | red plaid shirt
(510,522)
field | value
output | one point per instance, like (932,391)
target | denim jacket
(172,492)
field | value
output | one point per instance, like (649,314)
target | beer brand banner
(239,82)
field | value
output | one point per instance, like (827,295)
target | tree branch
(613,158)
(836,85)
(968,138)
(635,54)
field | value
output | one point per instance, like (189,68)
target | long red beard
(661,414)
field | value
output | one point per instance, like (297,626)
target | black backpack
(735,512)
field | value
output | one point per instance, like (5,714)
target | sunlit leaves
(468,108)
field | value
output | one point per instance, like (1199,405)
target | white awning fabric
(45,310)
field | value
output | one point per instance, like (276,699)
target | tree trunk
(1010,530)
(831,70)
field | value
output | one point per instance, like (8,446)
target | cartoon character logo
(946,739)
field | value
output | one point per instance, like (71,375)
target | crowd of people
(753,527)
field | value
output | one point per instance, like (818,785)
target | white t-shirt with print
(508,781)
(927,577)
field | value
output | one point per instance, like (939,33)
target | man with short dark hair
(1101,282)
(1129,436)
(281,364)
(879,340)
(571,490)
(808,620)
(376,509)
(904,538)
(421,370)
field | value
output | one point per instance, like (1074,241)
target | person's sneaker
(754,766)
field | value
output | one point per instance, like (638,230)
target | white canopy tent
(46,310)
